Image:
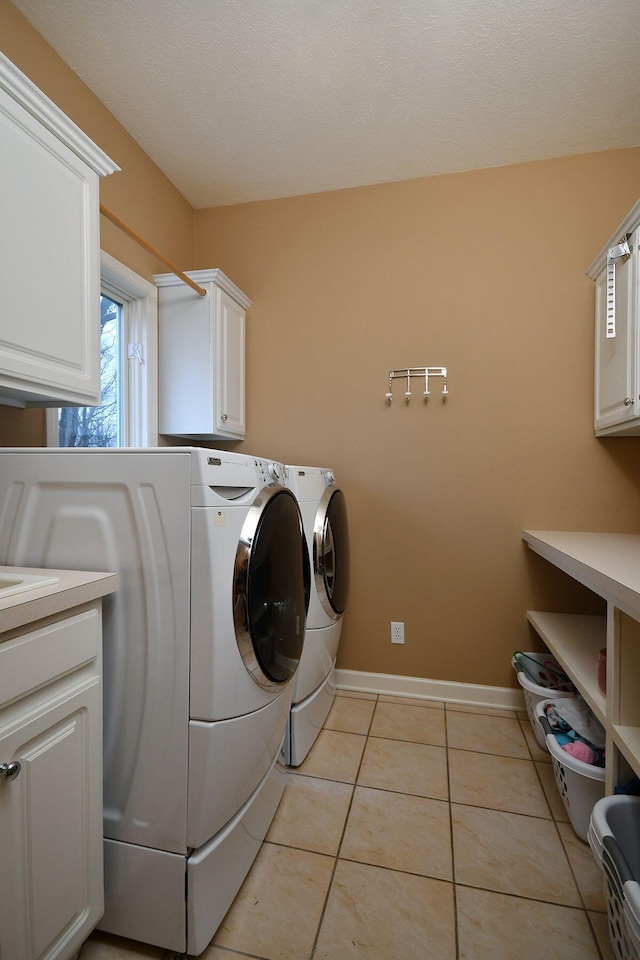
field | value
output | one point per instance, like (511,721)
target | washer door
(331,552)
(271,587)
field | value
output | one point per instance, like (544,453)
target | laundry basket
(579,784)
(538,674)
(614,838)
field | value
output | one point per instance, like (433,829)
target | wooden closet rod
(110,215)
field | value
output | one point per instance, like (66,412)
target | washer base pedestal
(306,720)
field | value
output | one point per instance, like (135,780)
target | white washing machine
(324,515)
(201,644)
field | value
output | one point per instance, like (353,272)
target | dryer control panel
(270,471)
(328,476)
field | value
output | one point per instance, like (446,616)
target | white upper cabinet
(201,378)
(49,250)
(617,331)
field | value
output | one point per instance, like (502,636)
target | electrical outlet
(397,632)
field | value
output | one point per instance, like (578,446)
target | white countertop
(607,563)
(74,587)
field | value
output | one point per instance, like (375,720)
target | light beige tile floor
(414,830)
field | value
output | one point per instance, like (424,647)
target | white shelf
(609,565)
(627,740)
(575,641)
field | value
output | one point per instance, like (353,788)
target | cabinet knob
(9,771)
(628,401)
(224,416)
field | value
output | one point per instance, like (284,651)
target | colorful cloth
(570,719)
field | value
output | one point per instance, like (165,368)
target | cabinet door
(51,865)
(49,266)
(201,370)
(229,360)
(616,360)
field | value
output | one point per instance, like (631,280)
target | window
(127,416)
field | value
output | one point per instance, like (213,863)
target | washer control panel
(329,476)
(270,471)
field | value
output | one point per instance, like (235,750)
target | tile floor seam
(424,743)
(229,950)
(489,753)
(521,896)
(337,856)
(355,784)
(458,891)
(456,934)
(400,793)
(581,909)
(593,934)
(314,776)
(408,873)
(525,726)
(544,793)
(368,731)
(476,806)
(250,956)
(568,859)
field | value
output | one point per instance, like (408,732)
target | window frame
(140,374)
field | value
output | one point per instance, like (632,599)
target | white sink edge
(22,582)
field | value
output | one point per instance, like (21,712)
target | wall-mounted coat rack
(407,373)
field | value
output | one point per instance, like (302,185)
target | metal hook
(410,372)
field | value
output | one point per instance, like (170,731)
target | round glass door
(271,587)
(331,552)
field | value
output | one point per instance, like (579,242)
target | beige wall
(483,273)
(140,194)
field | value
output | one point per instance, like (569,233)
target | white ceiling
(239,100)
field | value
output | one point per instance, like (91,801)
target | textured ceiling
(239,100)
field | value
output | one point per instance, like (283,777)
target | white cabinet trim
(206,276)
(18,86)
(628,225)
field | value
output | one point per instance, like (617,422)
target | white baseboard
(474,694)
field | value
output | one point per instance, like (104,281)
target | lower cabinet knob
(9,771)
(224,416)
(628,401)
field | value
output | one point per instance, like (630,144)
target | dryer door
(331,552)
(271,587)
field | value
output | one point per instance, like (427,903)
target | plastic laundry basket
(580,784)
(538,674)
(614,837)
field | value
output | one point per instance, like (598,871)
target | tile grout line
(344,828)
(453,855)
(169,955)
(562,844)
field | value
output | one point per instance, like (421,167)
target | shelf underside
(575,640)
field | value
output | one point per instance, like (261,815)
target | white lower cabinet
(51,867)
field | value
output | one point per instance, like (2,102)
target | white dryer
(324,515)
(201,644)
